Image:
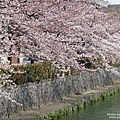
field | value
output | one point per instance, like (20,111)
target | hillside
(75,33)
(114,8)
(58,35)
(101,2)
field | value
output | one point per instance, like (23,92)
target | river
(109,109)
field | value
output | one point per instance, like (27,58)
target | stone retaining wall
(35,94)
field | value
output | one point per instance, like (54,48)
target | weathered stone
(34,94)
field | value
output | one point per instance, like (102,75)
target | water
(109,109)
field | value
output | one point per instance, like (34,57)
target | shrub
(33,72)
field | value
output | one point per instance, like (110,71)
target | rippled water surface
(109,109)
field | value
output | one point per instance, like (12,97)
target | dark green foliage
(62,113)
(33,72)
(3,71)
(78,107)
(59,114)
(94,100)
(103,96)
(115,91)
(37,72)
(108,94)
(85,103)
(73,108)
(18,68)
(66,111)
(18,78)
(118,89)
(52,116)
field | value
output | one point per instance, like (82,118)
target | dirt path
(51,107)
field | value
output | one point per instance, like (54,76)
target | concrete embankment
(44,97)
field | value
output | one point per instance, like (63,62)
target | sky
(114,1)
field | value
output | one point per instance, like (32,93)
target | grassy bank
(60,109)
(86,101)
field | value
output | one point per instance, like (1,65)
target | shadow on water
(109,109)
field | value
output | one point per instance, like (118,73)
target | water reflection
(109,109)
